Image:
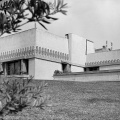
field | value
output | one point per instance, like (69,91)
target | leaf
(63,12)
(8,32)
(45,21)
(18,29)
(64,6)
(62,2)
(55,3)
(3,19)
(48,17)
(44,8)
(1,91)
(32,2)
(31,19)
(42,25)
(58,4)
(18,21)
(11,108)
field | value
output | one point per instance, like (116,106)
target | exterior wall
(45,69)
(35,45)
(90,76)
(112,67)
(48,49)
(17,41)
(76,69)
(31,67)
(51,41)
(107,58)
(77,49)
(90,47)
(103,56)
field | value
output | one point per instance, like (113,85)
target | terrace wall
(106,75)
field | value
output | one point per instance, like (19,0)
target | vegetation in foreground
(16,13)
(76,101)
(18,94)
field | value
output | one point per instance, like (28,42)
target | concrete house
(38,53)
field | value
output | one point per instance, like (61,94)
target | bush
(16,94)
(57,72)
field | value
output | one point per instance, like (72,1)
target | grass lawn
(79,101)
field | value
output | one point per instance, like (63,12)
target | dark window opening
(91,69)
(1,69)
(24,66)
(17,67)
(66,67)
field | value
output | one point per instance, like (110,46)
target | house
(38,53)
(104,60)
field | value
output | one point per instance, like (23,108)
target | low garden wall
(105,75)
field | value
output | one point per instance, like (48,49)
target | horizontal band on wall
(101,63)
(31,52)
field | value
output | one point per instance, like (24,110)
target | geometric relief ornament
(32,51)
(104,62)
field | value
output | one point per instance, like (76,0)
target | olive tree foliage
(16,13)
(17,94)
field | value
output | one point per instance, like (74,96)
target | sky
(96,20)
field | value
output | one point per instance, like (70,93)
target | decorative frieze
(100,63)
(29,52)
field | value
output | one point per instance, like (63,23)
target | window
(1,68)
(66,67)
(24,66)
(91,69)
(17,67)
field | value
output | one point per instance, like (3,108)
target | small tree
(16,94)
(16,13)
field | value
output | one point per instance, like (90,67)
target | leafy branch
(16,94)
(16,13)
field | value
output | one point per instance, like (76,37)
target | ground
(77,101)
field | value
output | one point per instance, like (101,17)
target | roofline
(95,64)
(104,51)
(90,40)
(22,31)
(87,72)
(16,33)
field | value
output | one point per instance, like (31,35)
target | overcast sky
(96,20)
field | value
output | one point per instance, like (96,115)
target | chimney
(111,45)
(106,44)
(104,47)
(67,36)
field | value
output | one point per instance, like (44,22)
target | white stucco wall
(112,67)
(51,41)
(77,48)
(90,47)
(103,56)
(45,69)
(18,40)
(31,67)
(112,76)
(76,69)
(34,37)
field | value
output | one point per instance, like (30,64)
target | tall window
(66,67)
(91,69)
(17,67)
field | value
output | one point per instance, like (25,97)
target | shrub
(57,72)
(17,94)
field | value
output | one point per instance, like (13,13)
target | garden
(29,99)
(65,100)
